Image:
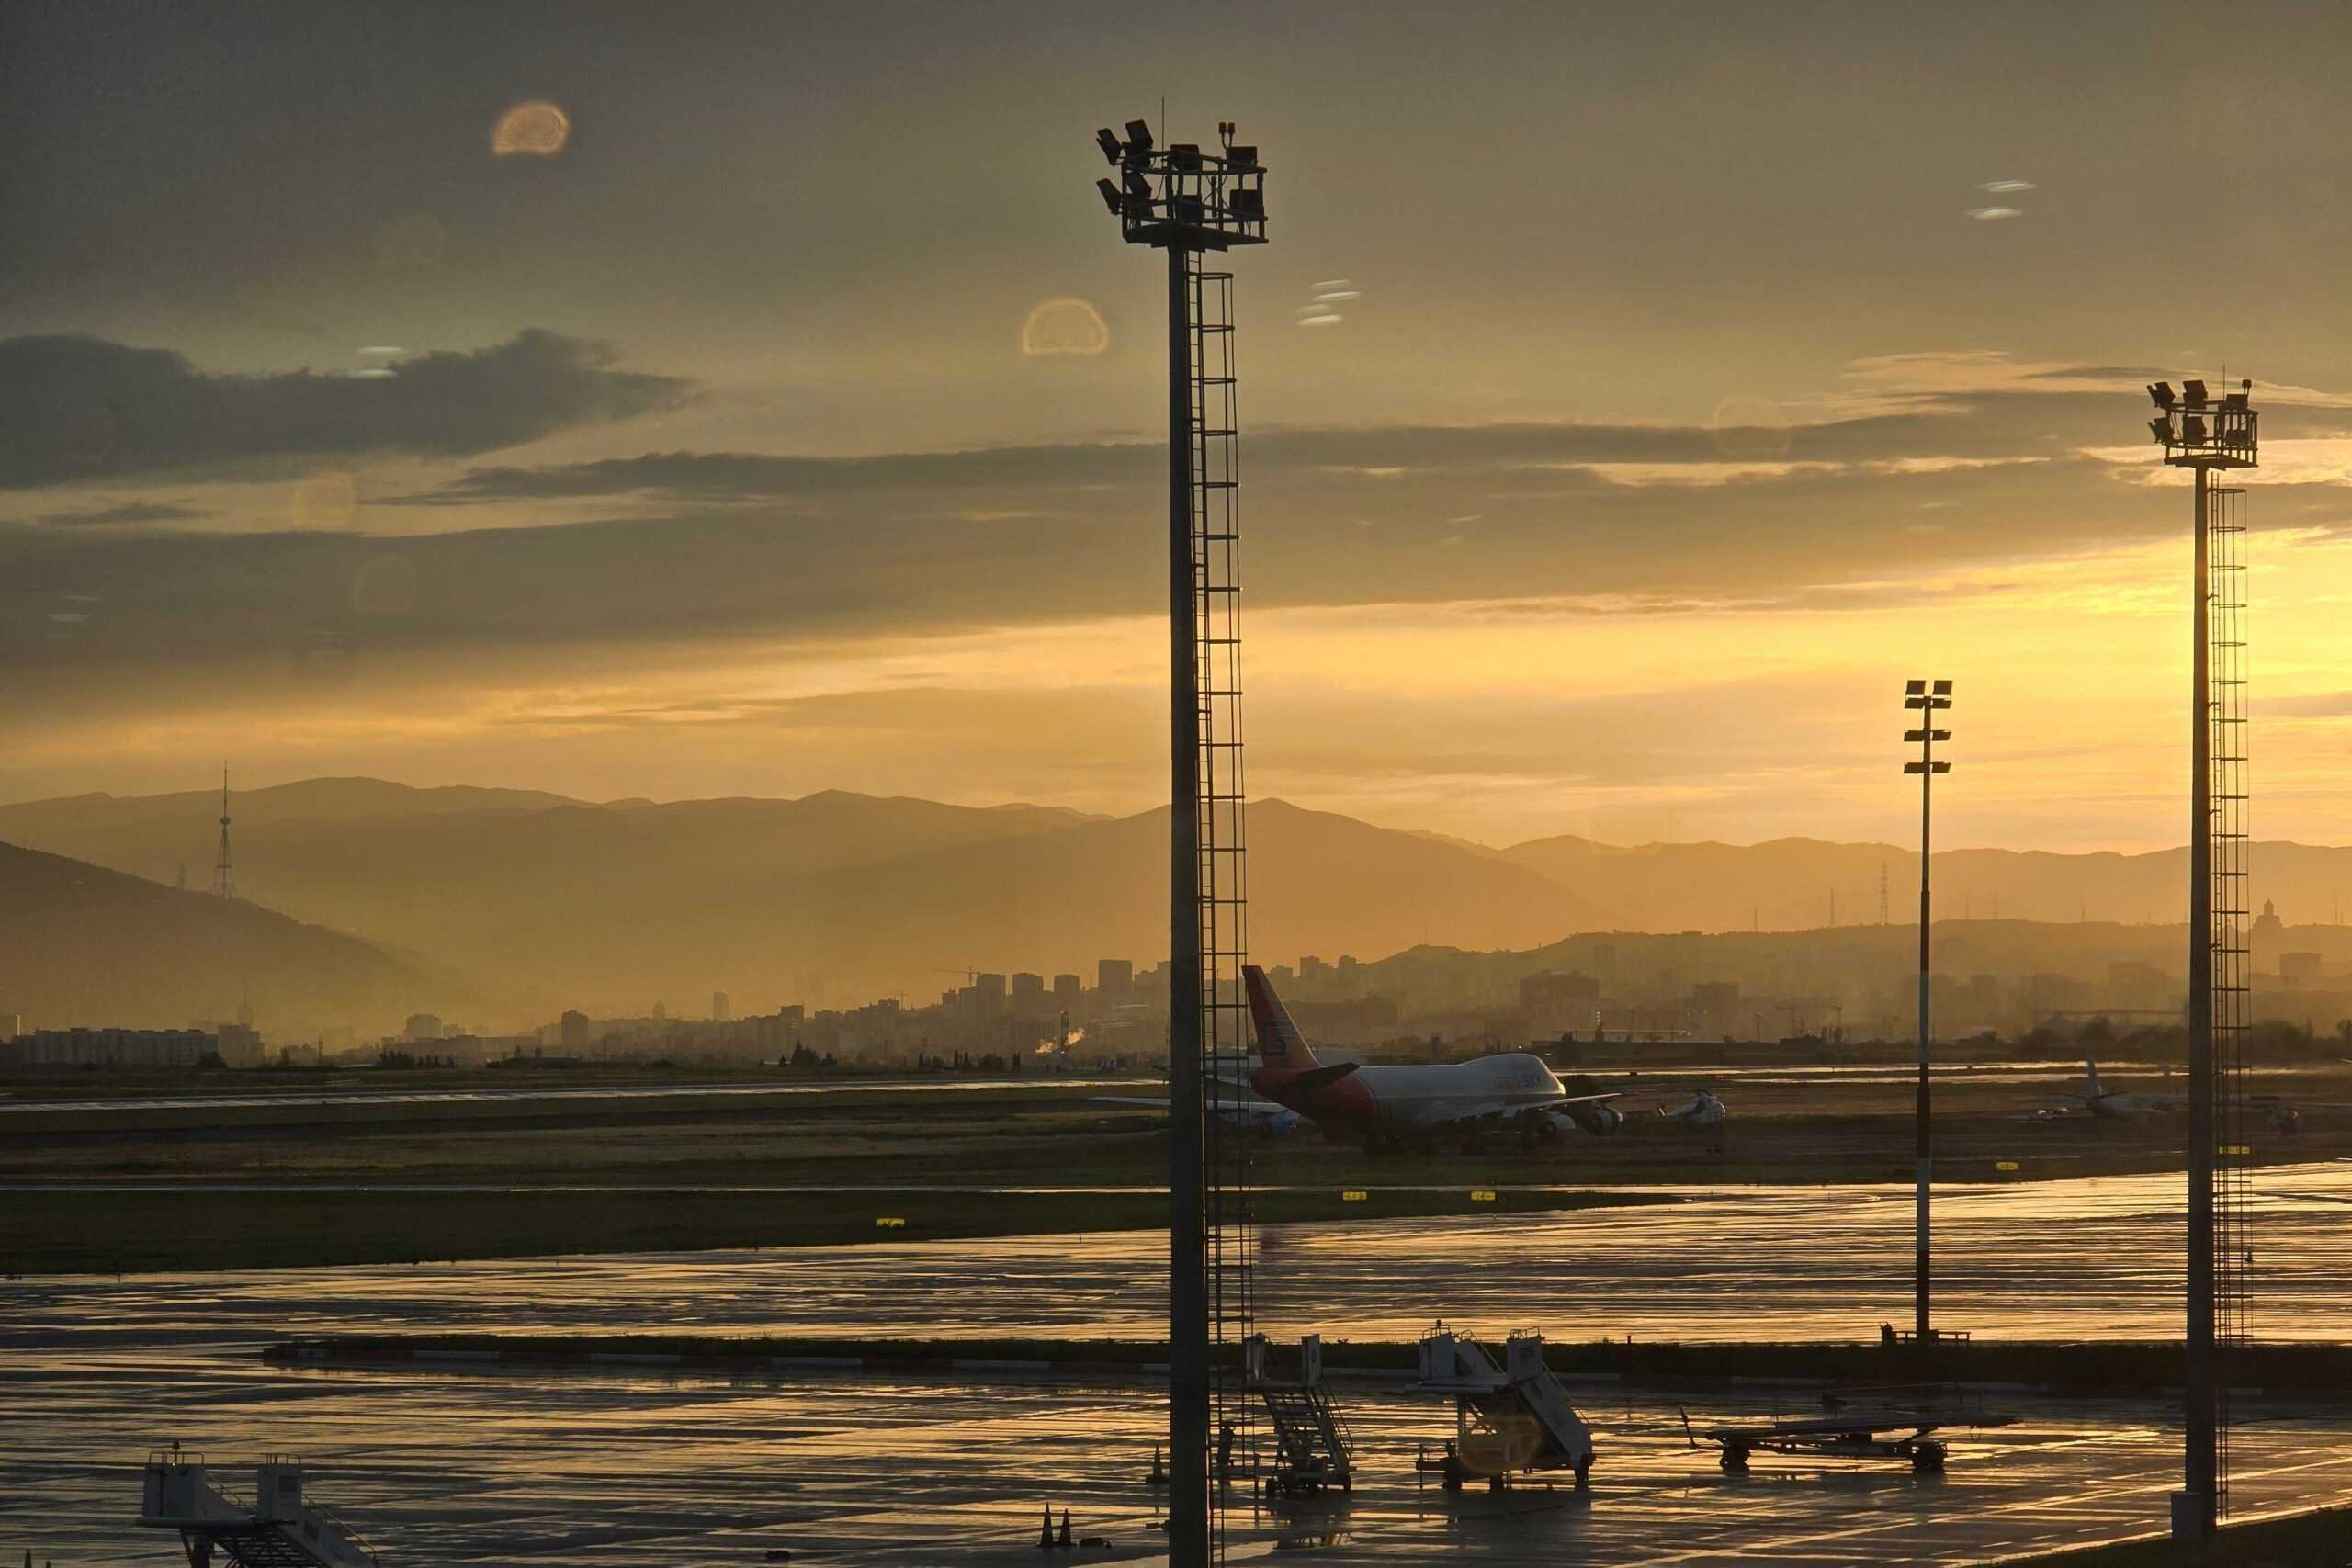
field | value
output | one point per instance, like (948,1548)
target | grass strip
(122,1233)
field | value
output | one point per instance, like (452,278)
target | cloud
(129,514)
(80,408)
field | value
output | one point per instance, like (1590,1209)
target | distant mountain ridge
(81,945)
(550,902)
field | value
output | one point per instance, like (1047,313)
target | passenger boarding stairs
(219,1530)
(1313,1447)
(1512,1419)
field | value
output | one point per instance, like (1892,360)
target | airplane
(1413,1104)
(2113,1107)
(1259,1115)
(1704,1110)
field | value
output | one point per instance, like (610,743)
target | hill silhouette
(87,946)
(546,902)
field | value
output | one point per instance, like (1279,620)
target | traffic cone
(1045,1531)
(1065,1539)
(1159,1476)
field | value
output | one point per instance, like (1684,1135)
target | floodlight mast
(2200,435)
(1186,201)
(1927,697)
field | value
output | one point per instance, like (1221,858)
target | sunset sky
(1699,372)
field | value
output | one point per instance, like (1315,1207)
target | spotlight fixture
(2193,393)
(1138,135)
(2159,392)
(1112,150)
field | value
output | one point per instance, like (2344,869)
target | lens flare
(533,129)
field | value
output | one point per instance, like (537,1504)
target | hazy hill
(551,902)
(83,945)
(1788,884)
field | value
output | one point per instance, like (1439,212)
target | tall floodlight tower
(2203,435)
(1927,698)
(223,885)
(1189,202)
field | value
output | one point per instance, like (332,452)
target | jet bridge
(1512,1419)
(279,1528)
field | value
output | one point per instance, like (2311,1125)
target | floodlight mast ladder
(2227,843)
(2206,434)
(1190,202)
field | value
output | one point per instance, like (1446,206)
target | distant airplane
(1413,1104)
(1704,1110)
(2114,1107)
(1261,1115)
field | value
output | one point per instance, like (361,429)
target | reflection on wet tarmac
(461,1467)
(458,1468)
(2097,1256)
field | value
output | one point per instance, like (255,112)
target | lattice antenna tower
(1189,203)
(224,884)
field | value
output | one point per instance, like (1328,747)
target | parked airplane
(2116,1107)
(1260,1115)
(1416,1103)
(1704,1110)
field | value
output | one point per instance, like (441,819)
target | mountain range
(544,902)
(80,945)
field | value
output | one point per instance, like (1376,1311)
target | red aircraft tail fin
(1279,1044)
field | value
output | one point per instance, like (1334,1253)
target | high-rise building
(575,1032)
(421,1026)
(1028,995)
(1066,990)
(988,995)
(719,1011)
(1116,980)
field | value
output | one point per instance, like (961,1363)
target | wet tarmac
(594,1470)
(597,1470)
(2093,1258)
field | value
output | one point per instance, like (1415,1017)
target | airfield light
(1189,202)
(1925,697)
(2202,437)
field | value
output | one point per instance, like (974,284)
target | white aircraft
(2114,1107)
(1260,1115)
(1415,1104)
(1704,1110)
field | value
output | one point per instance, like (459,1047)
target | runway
(2092,1257)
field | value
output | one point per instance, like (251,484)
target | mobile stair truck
(1514,1419)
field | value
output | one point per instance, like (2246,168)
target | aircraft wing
(1499,1111)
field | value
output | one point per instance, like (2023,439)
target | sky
(681,401)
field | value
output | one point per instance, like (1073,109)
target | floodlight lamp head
(2193,390)
(1113,149)
(1940,734)
(1110,196)
(1915,688)
(2160,394)
(1943,688)
(1913,736)
(1138,135)
(1913,768)
(1942,767)
(1915,702)
(2161,428)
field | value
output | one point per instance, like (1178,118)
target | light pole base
(2192,1517)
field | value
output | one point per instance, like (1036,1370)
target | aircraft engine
(1598,1120)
